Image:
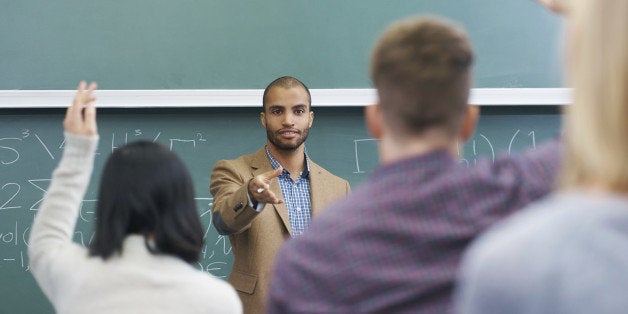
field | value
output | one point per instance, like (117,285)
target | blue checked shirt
(296,196)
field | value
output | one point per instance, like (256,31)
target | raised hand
(80,118)
(259,187)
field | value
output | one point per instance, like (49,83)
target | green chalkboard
(220,44)
(30,148)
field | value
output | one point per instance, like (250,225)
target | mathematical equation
(12,148)
(480,146)
(14,238)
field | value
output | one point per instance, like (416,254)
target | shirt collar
(275,164)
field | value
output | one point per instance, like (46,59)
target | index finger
(273,173)
(73,109)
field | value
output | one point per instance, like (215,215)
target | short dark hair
(421,68)
(287,82)
(146,189)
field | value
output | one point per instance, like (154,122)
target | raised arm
(53,227)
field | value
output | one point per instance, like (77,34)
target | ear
(311,118)
(262,119)
(374,120)
(469,121)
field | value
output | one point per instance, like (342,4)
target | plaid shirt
(394,244)
(296,195)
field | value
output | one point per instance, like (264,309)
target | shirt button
(298,209)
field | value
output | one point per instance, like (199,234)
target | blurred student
(394,244)
(569,252)
(147,235)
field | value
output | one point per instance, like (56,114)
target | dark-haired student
(147,232)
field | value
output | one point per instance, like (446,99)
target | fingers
(80,118)
(89,114)
(267,196)
(273,173)
(259,187)
(73,110)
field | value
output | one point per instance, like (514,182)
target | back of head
(421,68)
(146,189)
(286,82)
(597,123)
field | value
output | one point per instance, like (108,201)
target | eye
(299,111)
(275,111)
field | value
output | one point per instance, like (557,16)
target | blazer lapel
(316,184)
(261,164)
(323,190)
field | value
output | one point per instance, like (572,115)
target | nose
(287,120)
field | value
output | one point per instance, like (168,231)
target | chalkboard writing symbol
(214,267)
(113,141)
(9,237)
(205,210)
(490,145)
(87,212)
(26,234)
(9,151)
(532,136)
(226,246)
(176,140)
(460,157)
(14,260)
(200,137)
(44,146)
(41,187)
(14,236)
(79,237)
(156,137)
(512,139)
(8,187)
(357,157)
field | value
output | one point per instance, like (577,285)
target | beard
(275,139)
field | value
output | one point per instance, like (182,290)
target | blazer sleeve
(231,212)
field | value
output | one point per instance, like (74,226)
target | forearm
(55,222)
(231,210)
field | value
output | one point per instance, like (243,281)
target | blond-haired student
(569,252)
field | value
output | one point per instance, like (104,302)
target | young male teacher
(394,245)
(264,198)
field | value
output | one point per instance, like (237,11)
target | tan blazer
(257,236)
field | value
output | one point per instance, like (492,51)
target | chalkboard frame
(252,98)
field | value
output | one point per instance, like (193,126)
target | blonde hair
(597,122)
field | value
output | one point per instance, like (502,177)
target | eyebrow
(298,106)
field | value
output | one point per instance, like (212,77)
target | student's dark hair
(286,82)
(146,189)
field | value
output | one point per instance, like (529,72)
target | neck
(291,160)
(392,149)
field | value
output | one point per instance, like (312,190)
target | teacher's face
(287,117)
